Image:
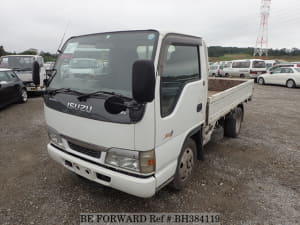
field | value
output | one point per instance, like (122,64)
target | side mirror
(36,73)
(143,81)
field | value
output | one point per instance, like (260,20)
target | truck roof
(161,33)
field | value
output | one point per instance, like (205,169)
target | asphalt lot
(254,179)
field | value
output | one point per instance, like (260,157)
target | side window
(180,66)
(285,70)
(4,76)
(3,62)
(277,70)
(235,65)
(12,75)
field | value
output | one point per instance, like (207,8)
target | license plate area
(86,172)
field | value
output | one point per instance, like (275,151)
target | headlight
(143,162)
(55,138)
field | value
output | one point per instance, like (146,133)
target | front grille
(84,150)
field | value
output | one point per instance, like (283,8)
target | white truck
(22,65)
(143,121)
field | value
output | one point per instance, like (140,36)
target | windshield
(17,62)
(102,62)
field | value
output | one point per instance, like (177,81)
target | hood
(100,133)
(88,121)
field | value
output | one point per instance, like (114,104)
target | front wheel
(186,164)
(261,81)
(290,84)
(23,96)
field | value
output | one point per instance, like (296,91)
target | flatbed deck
(225,94)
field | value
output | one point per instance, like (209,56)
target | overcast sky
(41,23)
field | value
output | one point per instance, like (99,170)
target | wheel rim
(186,164)
(24,95)
(260,81)
(290,83)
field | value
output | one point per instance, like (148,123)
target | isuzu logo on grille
(79,107)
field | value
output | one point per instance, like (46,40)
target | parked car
(290,64)
(215,70)
(12,88)
(247,68)
(287,76)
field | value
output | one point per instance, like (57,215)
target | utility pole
(261,46)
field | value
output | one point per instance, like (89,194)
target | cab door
(181,96)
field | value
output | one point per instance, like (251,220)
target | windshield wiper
(63,90)
(88,95)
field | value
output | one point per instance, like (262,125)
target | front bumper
(141,187)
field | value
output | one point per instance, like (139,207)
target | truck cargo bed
(224,95)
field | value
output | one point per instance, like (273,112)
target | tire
(186,165)
(290,83)
(242,75)
(261,81)
(23,96)
(233,123)
(226,75)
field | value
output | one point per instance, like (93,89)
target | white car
(287,76)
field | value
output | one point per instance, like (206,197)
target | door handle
(199,107)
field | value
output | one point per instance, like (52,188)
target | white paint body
(282,75)
(150,132)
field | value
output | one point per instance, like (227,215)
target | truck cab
(140,120)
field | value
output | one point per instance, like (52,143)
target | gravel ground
(254,179)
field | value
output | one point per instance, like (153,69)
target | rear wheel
(290,84)
(23,96)
(242,75)
(233,123)
(261,81)
(186,164)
